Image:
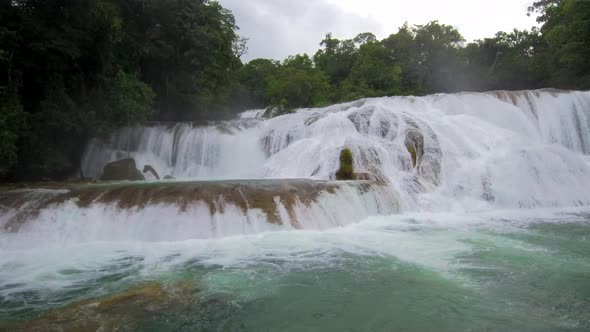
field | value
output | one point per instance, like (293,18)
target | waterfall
(473,150)
(177,211)
(440,153)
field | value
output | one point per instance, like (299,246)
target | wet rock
(364,176)
(149,168)
(169,177)
(273,143)
(265,195)
(415,145)
(425,152)
(369,157)
(346,170)
(224,128)
(384,128)
(121,170)
(18,206)
(312,119)
(430,166)
(362,119)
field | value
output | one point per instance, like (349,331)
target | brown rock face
(265,195)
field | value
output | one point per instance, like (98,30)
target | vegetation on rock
(413,154)
(346,170)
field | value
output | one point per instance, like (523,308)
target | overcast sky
(278,28)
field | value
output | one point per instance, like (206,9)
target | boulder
(121,170)
(149,168)
(346,170)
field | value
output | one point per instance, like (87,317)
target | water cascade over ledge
(176,211)
(441,153)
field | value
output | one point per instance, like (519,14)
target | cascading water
(470,151)
(474,216)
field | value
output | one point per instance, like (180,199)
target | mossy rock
(415,145)
(121,170)
(413,155)
(346,170)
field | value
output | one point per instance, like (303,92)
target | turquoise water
(506,271)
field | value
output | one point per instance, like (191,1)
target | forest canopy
(73,70)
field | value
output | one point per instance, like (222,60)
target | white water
(68,224)
(432,241)
(481,151)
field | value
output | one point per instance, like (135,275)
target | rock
(121,170)
(149,168)
(362,119)
(415,145)
(272,143)
(120,311)
(364,176)
(169,177)
(224,128)
(346,170)
(313,119)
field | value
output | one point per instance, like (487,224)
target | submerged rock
(121,170)
(120,311)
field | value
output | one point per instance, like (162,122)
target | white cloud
(278,28)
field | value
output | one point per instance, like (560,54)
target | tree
(438,53)
(566,30)
(403,50)
(336,59)
(105,64)
(373,74)
(12,124)
(253,77)
(128,101)
(296,83)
